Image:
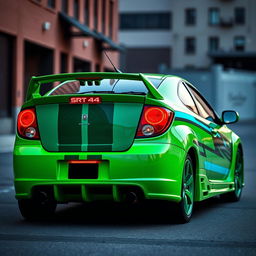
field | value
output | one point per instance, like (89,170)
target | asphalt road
(109,229)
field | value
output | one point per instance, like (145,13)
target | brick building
(39,37)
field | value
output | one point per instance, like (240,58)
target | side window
(186,98)
(204,110)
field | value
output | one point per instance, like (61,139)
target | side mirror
(229,117)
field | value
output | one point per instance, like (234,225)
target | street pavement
(217,228)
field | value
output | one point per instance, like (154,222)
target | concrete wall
(202,31)
(139,38)
(237,90)
(224,89)
(174,38)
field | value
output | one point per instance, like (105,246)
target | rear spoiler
(35,82)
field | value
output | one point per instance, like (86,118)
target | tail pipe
(131,197)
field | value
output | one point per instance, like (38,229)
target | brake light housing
(27,124)
(154,121)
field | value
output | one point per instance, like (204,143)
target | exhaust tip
(131,197)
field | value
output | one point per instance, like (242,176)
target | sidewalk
(6,143)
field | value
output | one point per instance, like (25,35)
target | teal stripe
(216,168)
(193,119)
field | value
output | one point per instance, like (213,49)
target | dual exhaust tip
(131,197)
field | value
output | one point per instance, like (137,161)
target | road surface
(216,228)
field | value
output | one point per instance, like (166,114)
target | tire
(235,195)
(184,209)
(37,209)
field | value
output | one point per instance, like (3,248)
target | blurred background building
(188,34)
(39,37)
(211,43)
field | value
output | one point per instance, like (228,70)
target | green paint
(155,165)
(69,128)
(126,120)
(100,130)
(47,117)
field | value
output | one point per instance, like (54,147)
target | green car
(123,137)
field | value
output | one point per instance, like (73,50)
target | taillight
(154,121)
(27,124)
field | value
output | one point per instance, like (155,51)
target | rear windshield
(98,86)
(156,81)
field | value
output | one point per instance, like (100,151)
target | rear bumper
(156,169)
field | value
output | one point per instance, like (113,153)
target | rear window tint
(97,86)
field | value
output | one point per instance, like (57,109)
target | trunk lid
(108,126)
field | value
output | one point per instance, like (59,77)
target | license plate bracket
(83,171)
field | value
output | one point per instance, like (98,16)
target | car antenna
(116,69)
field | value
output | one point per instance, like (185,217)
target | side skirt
(209,188)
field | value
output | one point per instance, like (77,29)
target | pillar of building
(56,61)
(70,63)
(91,16)
(18,90)
(115,21)
(107,18)
(81,11)
(70,8)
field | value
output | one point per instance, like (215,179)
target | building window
(111,12)
(63,63)
(6,76)
(64,6)
(190,45)
(213,44)
(214,16)
(145,21)
(80,65)
(96,14)
(76,9)
(190,16)
(86,12)
(239,43)
(240,15)
(103,17)
(51,3)
(97,68)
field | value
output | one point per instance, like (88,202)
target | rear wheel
(37,208)
(185,207)
(235,195)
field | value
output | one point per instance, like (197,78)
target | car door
(199,125)
(219,155)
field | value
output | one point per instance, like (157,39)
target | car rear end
(96,136)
